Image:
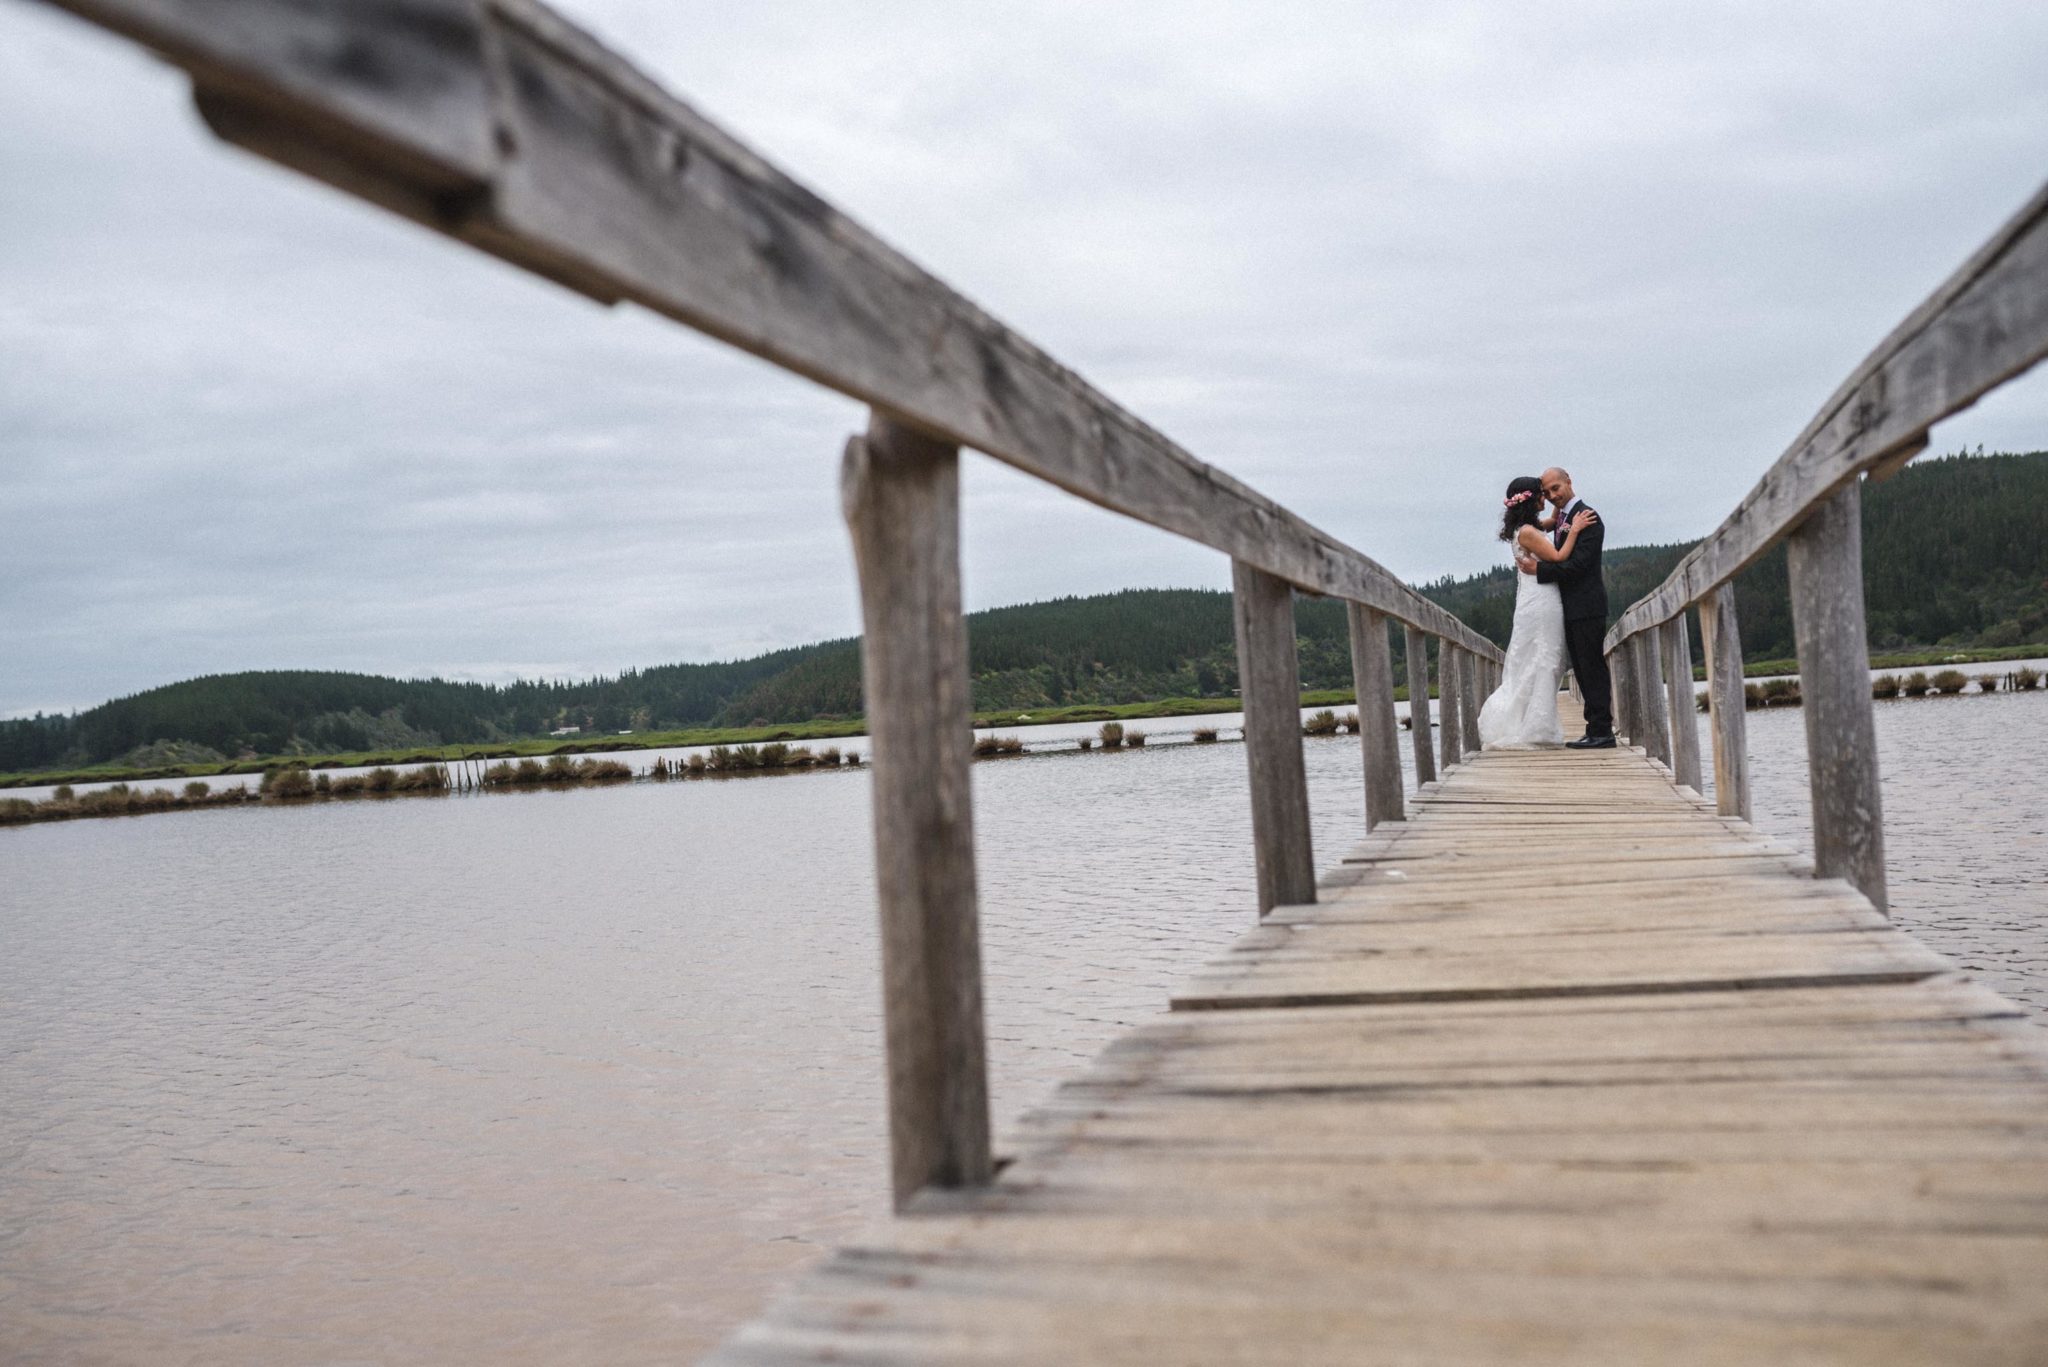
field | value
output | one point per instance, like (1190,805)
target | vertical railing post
(1721,643)
(902,499)
(1468,701)
(1269,679)
(1417,645)
(1682,705)
(1379,731)
(1451,744)
(1825,556)
(1624,691)
(1650,697)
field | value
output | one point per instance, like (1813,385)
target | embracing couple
(1560,613)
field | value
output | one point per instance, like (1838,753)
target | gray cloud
(1373,260)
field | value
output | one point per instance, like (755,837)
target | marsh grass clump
(63,792)
(1133,738)
(197,789)
(829,757)
(697,765)
(286,785)
(1950,681)
(990,747)
(1752,696)
(1885,686)
(14,809)
(774,755)
(1086,743)
(355,785)
(1915,685)
(1988,683)
(1205,735)
(1781,692)
(2026,679)
(380,781)
(1112,733)
(1349,721)
(1323,723)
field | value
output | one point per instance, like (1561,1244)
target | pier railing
(501,124)
(1986,324)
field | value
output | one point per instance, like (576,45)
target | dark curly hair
(1519,515)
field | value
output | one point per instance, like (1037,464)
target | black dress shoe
(1590,743)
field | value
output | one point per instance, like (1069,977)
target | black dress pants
(1582,641)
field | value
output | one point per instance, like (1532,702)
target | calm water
(582,1076)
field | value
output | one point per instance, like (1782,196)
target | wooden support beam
(1450,729)
(1269,680)
(1418,704)
(1468,701)
(1623,684)
(1721,642)
(1379,731)
(902,500)
(1682,705)
(1650,696)
(1825,557)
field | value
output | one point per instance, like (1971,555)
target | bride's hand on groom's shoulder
(1585,517)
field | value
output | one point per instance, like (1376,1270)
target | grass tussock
(993,747)
(1885,686)
(1988,683)
(1951,681)
(2026,679)
(1916,684)
(1323,723)
(1112,734)
(1205,735)
(1134,739)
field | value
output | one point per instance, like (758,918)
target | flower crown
(1511,502)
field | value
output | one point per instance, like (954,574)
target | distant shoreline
(846,727)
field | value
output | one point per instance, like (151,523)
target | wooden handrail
(502,124)
(1987,323)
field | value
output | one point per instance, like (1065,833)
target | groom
(1585,608)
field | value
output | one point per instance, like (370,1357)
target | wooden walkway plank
(1698,1107)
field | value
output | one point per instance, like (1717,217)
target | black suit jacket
(1577,576)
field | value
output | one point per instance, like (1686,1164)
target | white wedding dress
(1522,713)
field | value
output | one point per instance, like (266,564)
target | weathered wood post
(1418,705)
(1269,679)
(1379,731)
(1650,696)
(1825,556)
(1451,745)
(901,491)
(1468,701)
(1681,704)
(1721,643)
(1622,684)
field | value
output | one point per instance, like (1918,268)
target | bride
(1522,713)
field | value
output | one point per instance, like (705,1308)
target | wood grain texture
(1652,700)
(1825,559)
(1469,698)
(1721,639)
(1379,731)
(1536,1140)
(1417,652)
(1681,704)
(1987,323)
(513,130)
(902,501)
(1269,679)
(1623,684)
(1450,730)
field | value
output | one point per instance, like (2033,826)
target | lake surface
(582,1076)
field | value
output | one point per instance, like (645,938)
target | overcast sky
(1374,259)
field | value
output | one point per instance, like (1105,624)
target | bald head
(1557,487)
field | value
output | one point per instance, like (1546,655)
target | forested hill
(1956,552)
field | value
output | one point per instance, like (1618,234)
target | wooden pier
(1565,1068)
(1563,1064)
